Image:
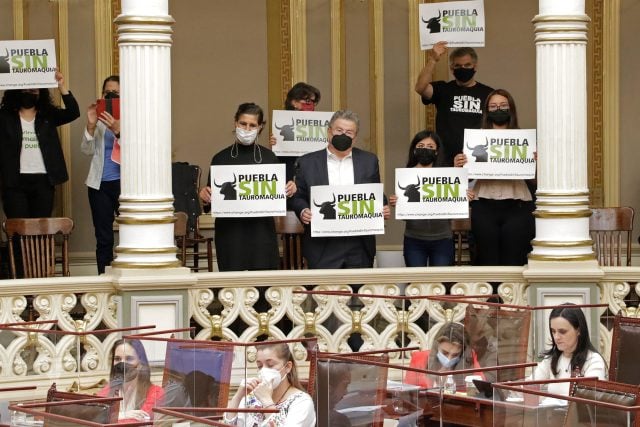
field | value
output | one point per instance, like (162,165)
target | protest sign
(299,132)
(500,153)
(459,23)
(27,64)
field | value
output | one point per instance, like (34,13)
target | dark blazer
(311,169)
(46,124)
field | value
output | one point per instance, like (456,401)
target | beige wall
(629,107)
(219,59)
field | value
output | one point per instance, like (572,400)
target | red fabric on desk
(419,360)
(154,397)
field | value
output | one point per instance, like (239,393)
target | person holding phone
(100,137)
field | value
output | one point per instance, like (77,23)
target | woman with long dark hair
(502,220)
(31,159)
(130,378)
(427,242)
(571,354)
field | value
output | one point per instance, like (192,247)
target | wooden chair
(36,238)
(180,235)
(610,228)
(461,228)
(587,414)
(625,347)
(185,185)
(499,337)
(74,407)
(289,230)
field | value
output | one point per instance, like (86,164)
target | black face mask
(341,142)
(464,74)
(125,371)
(499,117)
(28,99)
(111,95)
(425,156)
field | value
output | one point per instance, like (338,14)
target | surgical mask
(499,117)
(464,74)
(341,142)
(246,137)
(125,370)
(28,99)
(425,156)
(270,375)
(446,362)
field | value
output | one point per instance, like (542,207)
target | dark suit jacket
(46,124)
(311,169)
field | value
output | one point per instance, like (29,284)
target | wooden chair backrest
(611,230)
(460,229)
(583,414)
(180,234)
(37,241)
(289,230)
(103,413)
(625,347)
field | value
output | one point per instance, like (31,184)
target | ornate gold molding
(148,251)
(279,52)
(557,244)
(144,221)
(376,78)
(610,102)
(103,37)
(563,214)
(115,51)
(338,58)
(298,31)
(62,14)
(18,19)
(146,265)
(537,257)
(417,111)
(595,9)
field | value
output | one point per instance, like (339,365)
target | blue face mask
(446,362)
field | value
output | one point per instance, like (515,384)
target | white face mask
(271,375)
(246,137)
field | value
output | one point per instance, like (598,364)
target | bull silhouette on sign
(5,68)
(433,24)
(480,152)
(287,131)
(327,209)
(228,189)
(412,191)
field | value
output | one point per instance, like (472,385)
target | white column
(146,200)
(562,208)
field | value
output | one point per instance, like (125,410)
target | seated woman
(130,378)
(453,353)
(571,353)
(277,386)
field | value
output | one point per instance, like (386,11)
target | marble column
(146,200)
(562,208)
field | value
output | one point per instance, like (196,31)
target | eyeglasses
(339,131)
(494,107)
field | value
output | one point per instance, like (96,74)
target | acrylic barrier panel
(591,403)
(65,410)
(359,393)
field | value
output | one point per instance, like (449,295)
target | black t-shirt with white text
(457,108)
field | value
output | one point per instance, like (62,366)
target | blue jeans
(432,253)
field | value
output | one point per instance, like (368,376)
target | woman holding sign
(247,243)
(31,157)
(427,242)
(501,211)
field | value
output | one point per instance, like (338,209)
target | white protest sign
(346,210)
(459,23)
(27,64)
(431,193)
(500,153)
(248,190)
(299,132)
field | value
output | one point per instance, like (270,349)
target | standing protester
(31,159)
(458,102)
(100,135)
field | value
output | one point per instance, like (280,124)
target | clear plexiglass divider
(591,402)
(212,382)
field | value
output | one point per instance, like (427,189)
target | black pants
(104,206)
(503,230)
(32,198)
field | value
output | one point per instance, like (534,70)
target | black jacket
(46,124)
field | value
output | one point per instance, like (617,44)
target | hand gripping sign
(27,64)
(459,23)
(346,210)
(299,132)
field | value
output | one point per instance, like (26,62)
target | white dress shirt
(340,170)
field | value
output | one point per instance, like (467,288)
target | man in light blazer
(339,164)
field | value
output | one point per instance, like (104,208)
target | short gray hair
(345,115)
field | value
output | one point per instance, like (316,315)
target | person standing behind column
(339,164)
(100,135)
(458,102)
(31,158)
